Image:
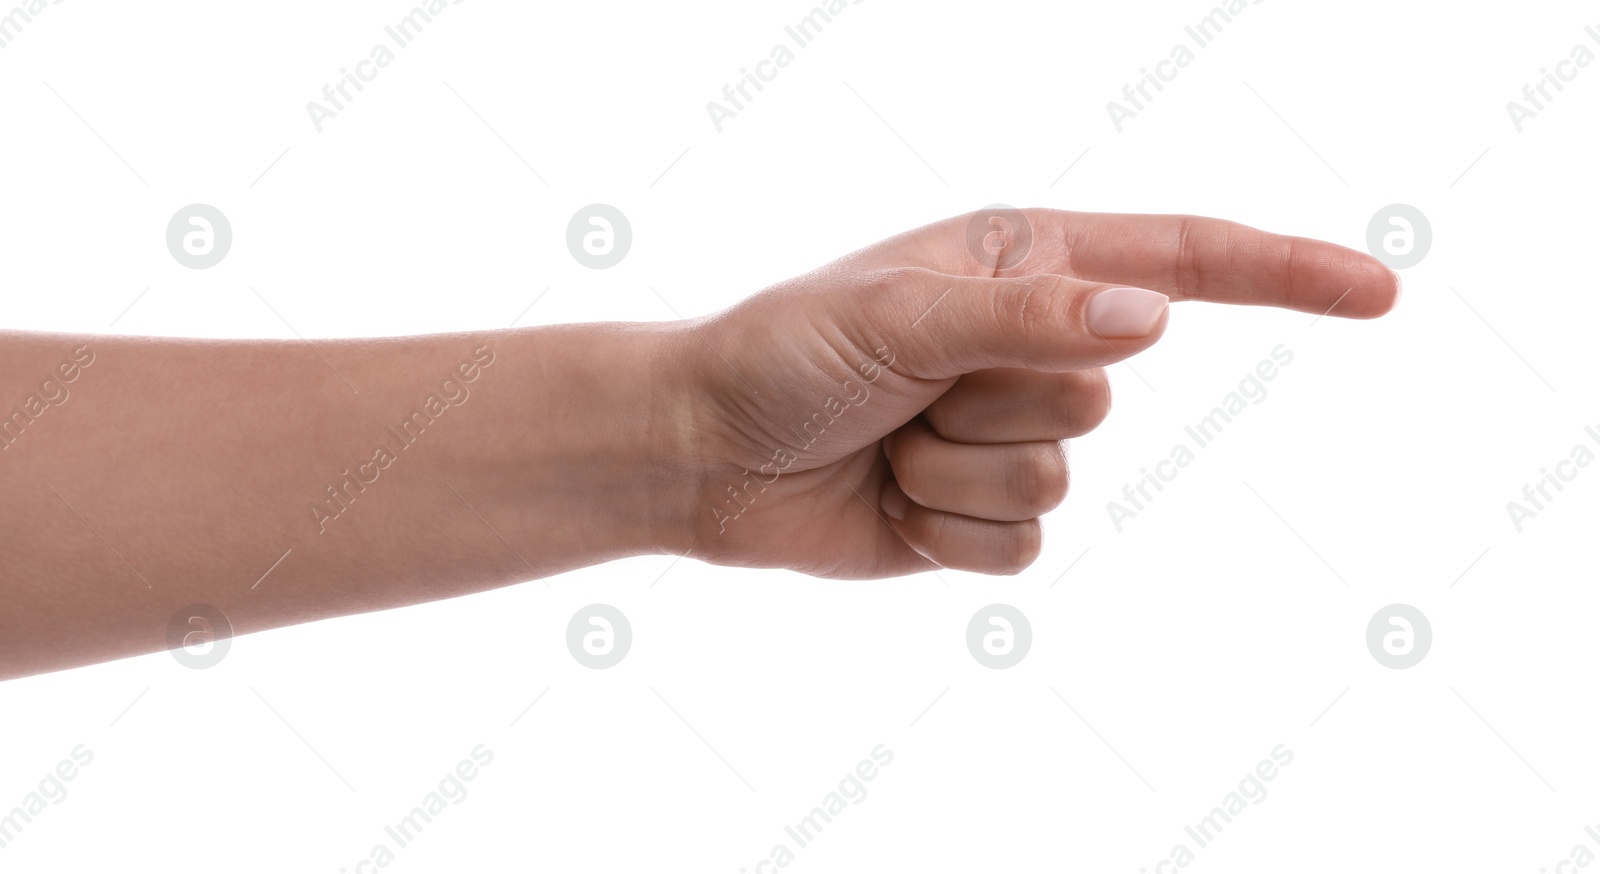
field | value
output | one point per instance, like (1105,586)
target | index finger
(1184,257)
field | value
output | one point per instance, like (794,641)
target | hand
(897,410)
(901,409)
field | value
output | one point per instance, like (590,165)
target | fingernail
(894,502)
(1125,312)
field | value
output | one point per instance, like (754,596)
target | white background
(1170,658)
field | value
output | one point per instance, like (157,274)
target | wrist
(601,459)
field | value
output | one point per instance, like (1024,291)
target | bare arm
(897,410)
(143,475)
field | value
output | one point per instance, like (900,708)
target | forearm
(366,474)
(878,416)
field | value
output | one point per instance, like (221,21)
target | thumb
(941,326)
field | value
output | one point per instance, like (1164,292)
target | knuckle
(894,296)
(1083,402)
(1038,483)
(1186,276)
(1031,307)
(1022,547)
(886,279)
(911,469)
(946,419)
(933,535)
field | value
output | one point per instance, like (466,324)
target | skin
(938,379)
